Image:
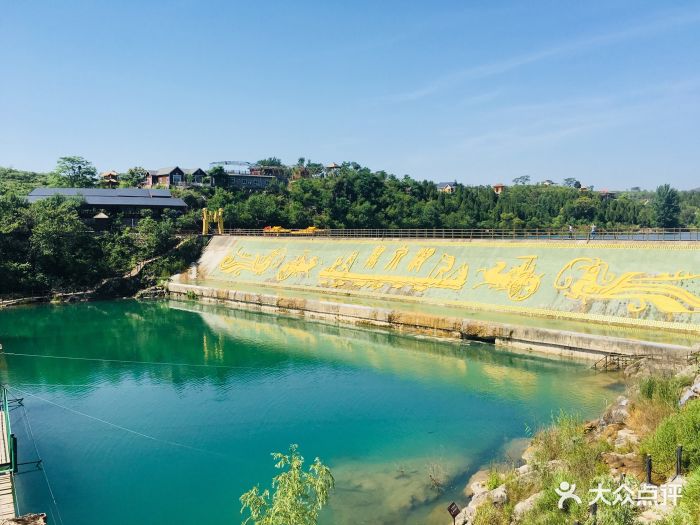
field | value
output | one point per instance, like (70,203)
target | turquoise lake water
(165,412)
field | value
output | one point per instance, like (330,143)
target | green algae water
(165,412)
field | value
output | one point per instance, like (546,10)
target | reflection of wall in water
(476,366)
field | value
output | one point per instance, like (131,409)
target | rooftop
(117,197)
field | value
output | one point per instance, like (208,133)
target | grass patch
(565,441)
(688,510)
(663,390)
(489,514)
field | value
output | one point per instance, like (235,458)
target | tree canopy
(74,172)
(667,207)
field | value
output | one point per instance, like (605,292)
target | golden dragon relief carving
(255,264)
(588,279)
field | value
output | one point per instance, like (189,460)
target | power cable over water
(30,432)
(119,427)
(156,363)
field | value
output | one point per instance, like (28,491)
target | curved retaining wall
(628,283)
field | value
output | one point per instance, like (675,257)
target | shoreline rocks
(613,427)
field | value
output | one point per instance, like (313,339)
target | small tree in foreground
(298,496)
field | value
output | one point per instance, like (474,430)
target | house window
(177,179)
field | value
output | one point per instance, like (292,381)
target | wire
(201,365)
(28,426)
(120,427)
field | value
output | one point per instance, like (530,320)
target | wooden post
(15,466)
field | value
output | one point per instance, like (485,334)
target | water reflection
(380,408)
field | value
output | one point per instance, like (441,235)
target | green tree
(154,237)
(571,182)
(298,496)
(667,207)
(218,176)
(62,252)
(134,177)
(270,161)
(74,172)
(522,180)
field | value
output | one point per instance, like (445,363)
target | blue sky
(478,92)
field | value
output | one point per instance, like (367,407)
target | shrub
(298,496)
(680,428)
(493,480)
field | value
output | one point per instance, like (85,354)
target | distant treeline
(356,197)
(46,246)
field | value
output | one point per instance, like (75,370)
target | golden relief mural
(396,259)
(257,264)
(589,279)
(520,282)
(371,261)
(420,258)
(296,267)
(443,276)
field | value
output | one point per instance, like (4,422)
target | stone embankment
(560,343)
(613,427)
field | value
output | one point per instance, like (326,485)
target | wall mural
(545,279)
(297,267)
(442,275)
(588,279)
(256,264)
(520,282)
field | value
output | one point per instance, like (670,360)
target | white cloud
(658,25)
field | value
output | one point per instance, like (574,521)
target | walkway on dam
(7,492)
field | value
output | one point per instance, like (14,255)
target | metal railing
(8,437)
(649,234)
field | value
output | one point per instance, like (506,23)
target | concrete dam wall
(643,284)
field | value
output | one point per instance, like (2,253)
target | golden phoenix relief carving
(520,282)
(587,279)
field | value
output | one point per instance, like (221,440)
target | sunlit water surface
(164,413)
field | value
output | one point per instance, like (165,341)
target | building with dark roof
(175,176)
(171,176)
(124,200)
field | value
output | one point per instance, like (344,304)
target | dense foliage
(355,197)
(47,247)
